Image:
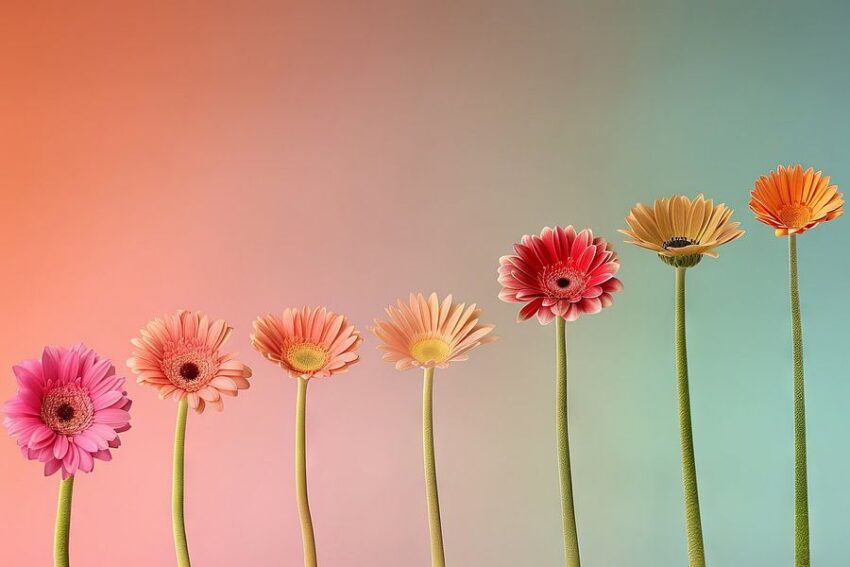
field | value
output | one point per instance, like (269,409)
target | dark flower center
(65,412)
(563,282)
(677,242)
(189,370)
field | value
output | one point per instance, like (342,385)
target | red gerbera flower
(560,273)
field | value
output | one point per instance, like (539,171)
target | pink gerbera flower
(69,409)
(180,356)
(560,273)
(307,342)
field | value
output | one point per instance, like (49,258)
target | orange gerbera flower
(793,201)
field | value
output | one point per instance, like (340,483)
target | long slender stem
(308,539)
(801,493)
(568,513)
(181,547)
(438,555)
(63,523)
(693,524)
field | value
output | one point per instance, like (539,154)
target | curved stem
(63,523)
(801,496)
(307,538)
(693,524)
(438,555)
(181,547)
(568,513)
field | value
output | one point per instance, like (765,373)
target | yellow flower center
(795,216)
(426,350)
(306,357)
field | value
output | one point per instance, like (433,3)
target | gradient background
(241,157)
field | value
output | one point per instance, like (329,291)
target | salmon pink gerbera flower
(560,273)
(180,356)
(307,342)
(69,409)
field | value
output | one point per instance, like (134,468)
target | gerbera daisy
(68,411)
(792,200)
(681,231)
(307,343)
(429,334)
(179,355)
(560,273)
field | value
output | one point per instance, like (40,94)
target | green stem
(801,495)
(438,555)
(693,524)
(63,523)
(568,513)
(181,548)
(307,538)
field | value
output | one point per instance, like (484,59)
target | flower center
(562,281)
(795,216)
(306,357)
(430,349)
(189,368)
(189,371)
(677,242)
(67,410)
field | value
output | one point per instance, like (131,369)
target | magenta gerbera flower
(560,273)
(69,409)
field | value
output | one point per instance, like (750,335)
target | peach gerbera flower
(307,342)
(425,333)
(180,356)
(681,231)
(793,201)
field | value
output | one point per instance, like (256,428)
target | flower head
(427,333)
(793,201)
(307,342)
(180,356)
(681,231)
(560,273)
(69,409)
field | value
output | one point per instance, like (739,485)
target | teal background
(242,157)
(673,97)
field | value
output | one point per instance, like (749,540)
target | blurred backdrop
(241,157)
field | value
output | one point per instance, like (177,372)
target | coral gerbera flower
(69,409)
(425,333)
(560,273)
(792,200)
(681,231)
(307,342)
(179,355)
